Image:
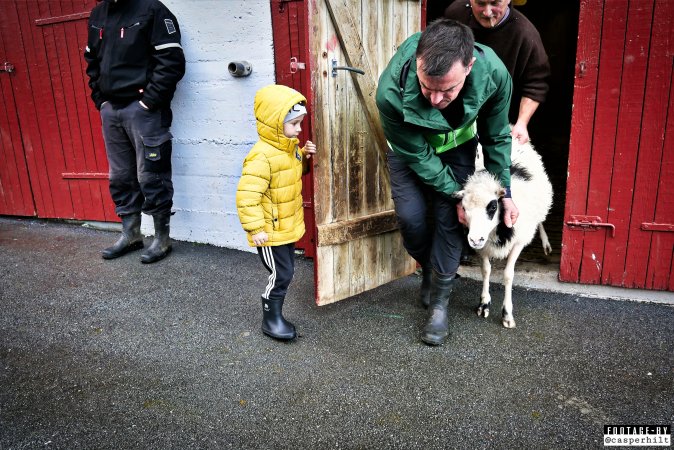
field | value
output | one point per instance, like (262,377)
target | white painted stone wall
(213,125)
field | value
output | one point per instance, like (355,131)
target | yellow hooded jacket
(269,195)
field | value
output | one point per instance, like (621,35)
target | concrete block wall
(213,125)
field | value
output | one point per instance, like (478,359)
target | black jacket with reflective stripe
(133,53)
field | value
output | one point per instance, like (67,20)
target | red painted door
(291,58)
(52,121)
(16,197)
(619,215)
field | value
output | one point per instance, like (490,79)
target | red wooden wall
(619,214)
(49,126)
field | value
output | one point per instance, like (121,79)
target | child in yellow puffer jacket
(269,196)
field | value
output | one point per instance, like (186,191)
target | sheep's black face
(492,207)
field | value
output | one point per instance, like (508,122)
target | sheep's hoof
(483,310)
(508,321)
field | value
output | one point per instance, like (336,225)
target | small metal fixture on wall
(240,68)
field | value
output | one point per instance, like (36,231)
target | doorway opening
(550,127)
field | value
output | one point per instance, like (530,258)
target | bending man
(440,92)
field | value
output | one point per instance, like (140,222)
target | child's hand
(260,238)
(309,149)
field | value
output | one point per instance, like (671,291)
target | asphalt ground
(116,354)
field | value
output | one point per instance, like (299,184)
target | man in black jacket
(134,62)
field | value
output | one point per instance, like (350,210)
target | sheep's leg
(508,276)
(485,298)
(547,248)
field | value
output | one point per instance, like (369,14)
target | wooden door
(57,126)
(293,69)
(619,215)
(358,244)
(16,197)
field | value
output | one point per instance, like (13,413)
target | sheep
(487,234)
(479,165)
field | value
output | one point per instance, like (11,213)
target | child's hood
(272,104)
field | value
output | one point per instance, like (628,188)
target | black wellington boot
(273,322)
(436,330)
(161,245)
(130,240)
(425,290)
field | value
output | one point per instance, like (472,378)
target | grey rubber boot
(161,245)
(273,322)
(130,240)
(436,330)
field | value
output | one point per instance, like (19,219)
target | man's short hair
(443,43)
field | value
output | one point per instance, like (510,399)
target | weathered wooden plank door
(619,215)
(358,245)
(58,128)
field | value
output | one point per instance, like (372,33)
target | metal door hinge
(589,223)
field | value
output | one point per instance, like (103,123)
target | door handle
(7,67)
(335,68)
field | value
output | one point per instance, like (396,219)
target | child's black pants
(280,262)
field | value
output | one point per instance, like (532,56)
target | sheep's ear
(501,193)
(459,194)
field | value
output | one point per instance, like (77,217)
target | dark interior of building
(550,128)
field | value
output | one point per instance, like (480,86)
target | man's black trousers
(138,145)
(428,220)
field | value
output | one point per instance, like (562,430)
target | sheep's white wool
(532,193)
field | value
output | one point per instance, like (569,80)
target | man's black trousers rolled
(428,220)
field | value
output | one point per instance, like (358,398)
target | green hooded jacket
(408,119)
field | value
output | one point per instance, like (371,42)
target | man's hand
(309,149)
(527,109)
(520,133)
(461,213)
(510,213)
(260,238)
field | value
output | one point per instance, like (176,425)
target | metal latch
(589,223)
(335,68)
(7,67)
(657,226)
(295,65)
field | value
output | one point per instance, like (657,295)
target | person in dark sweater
(516,41)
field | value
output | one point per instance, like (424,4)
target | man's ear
(470,66)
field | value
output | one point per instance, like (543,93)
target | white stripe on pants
(280,262)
